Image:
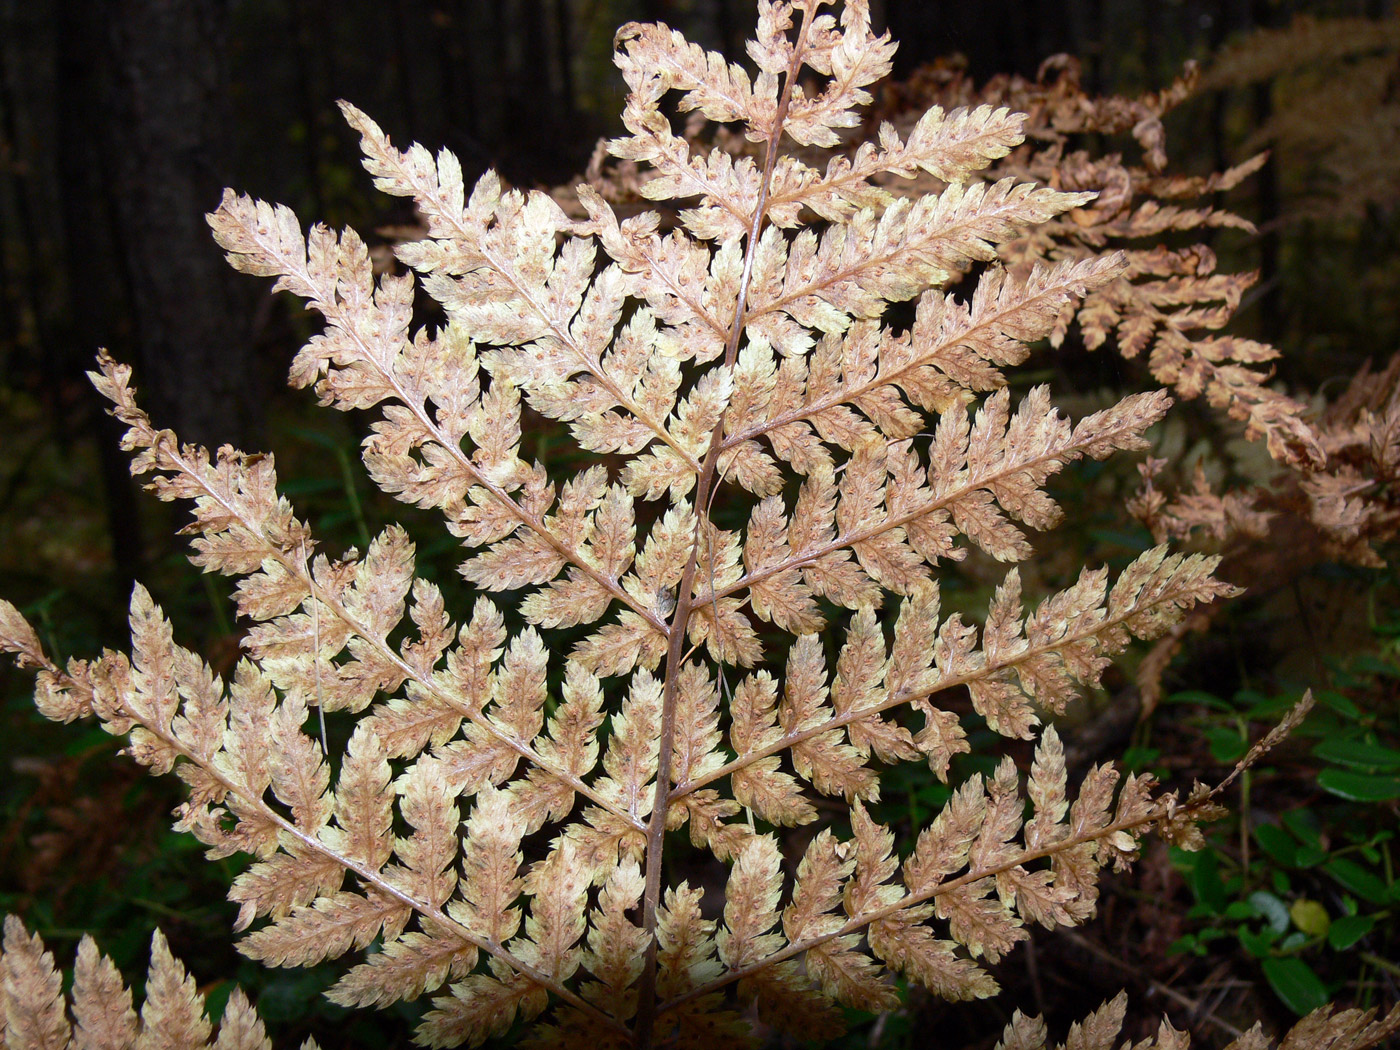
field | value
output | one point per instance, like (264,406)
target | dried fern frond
(1334,110)
(35,1014)
(1320,1030)
(1165,305)
(1346,511)
(495,827)
(1168,304)
(34,1011)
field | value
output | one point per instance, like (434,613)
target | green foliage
(1304,879)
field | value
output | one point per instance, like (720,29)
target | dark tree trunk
(1272,322)
(97,298)
(164,133)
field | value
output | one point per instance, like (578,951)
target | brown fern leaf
(173,1014)
(1166,305)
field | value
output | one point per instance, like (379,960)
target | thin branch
(686,601)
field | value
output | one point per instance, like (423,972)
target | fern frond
(173,1014)
(972,869)
(493,834)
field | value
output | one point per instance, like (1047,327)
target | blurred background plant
(1302,878)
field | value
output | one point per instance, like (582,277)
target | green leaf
(1293,981)
(1240,910)
(1245,697)
(1349,929)
(1358,754)
(1226,745)
(1358,880)
(1309,857)
(1199,696)
(1305,824)
(1277,843)
(1310,917)
(1268,708)
(1366,663)
(1337,702)
(1359,787)
(1140,758)
(1258,944)
(1205,881)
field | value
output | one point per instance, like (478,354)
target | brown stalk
(685,600)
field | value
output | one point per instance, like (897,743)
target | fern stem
(685,598)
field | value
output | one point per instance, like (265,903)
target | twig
(1198,1009)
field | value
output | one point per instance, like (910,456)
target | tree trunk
(165,129)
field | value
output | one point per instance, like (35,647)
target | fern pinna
(497,828)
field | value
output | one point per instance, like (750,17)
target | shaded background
(122,120)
